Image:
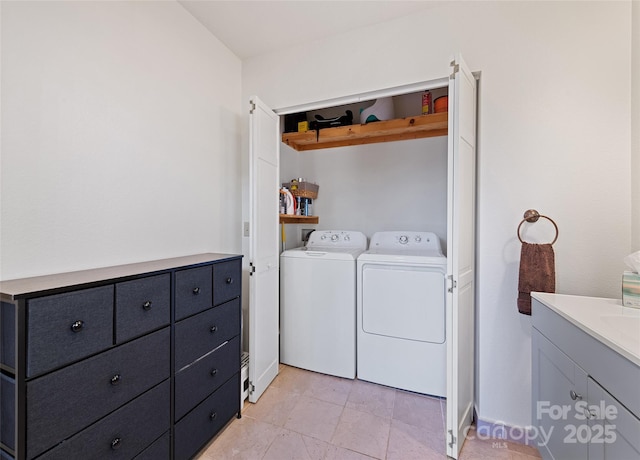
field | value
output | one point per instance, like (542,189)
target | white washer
(401,308)
(318,303)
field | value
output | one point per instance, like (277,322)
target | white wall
(554,134)
(635,127)
(377,187)
(121,135)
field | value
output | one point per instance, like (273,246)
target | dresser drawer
(7,411)
(63,402)
(203,377)
(159,450)
(63,328)
(202,333)
(8,334)
(203,422)
(194,291)
(227,281)
(123,434)
(142,305)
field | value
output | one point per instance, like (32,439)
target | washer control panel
(414,241)
(337,239)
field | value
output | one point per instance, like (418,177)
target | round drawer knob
(229,280)
(213,329)
(214,372)
(196,290)
(147,305)
(115,380)
(213,416)
(77,326)
(116,443)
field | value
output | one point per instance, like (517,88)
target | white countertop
(606,320)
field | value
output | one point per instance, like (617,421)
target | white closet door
(264,174)
(460,255)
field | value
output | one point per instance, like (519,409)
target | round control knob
(347,238)
(323,237)
(335,237)
(417,239)
(404,239)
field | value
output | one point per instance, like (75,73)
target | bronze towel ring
(531,215)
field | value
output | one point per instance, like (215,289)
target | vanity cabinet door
(615,431)
(559,388)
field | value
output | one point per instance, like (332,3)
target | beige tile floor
(309,416)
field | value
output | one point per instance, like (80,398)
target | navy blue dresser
(135,361)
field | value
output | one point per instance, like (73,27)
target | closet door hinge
(453,439)
(252,107)
(252,268)
(453,283)
(455,70)
(252,387)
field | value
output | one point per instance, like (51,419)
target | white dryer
(318,303)
(401,307)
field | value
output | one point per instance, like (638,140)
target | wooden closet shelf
(417,127)
(291,219)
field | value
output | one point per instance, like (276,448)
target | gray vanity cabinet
(558,382)
(585,395)
(616,423)
(137,361)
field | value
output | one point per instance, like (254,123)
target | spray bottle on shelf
(426,103)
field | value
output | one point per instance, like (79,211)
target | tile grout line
(386,450)
(330,442)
